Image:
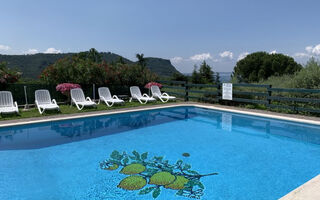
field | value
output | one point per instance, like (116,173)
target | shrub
(309,77)
(87,68)
(65,88)
(8,75)
(150,84)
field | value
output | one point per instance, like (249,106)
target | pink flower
(65,88)
(148,85)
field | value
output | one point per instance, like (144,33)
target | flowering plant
(148,85)
(65,88)
(7,75)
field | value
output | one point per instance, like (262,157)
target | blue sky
(185,31)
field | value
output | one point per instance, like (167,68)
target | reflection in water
(59,132)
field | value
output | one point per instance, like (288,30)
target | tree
(206,73)
(141,60)
(179,77)
(261,65)
(196,77)
(86,68)
(92,55)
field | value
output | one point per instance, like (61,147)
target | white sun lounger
(43,101)
(136,94)
(164,97)
(77,98)
(6,103)
(105,96)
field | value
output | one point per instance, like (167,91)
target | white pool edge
(308,191)
(133,109)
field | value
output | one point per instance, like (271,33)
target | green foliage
(261,65)
(205,75)
(141,60)
(196,77)
(8,75)
(284,81)
(309,77)
(32,65)
(177,76)
(88,67)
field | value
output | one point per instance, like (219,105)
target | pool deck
(308,191)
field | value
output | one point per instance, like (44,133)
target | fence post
(219,96)
(93,92)
(269,95)
(186,97)
(26,106)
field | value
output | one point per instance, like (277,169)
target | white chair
(77,98)
(6,103)
(105,96)
(43,101)
(136,94)
(164,97)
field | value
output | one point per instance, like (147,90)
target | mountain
(32,65)
(161,66)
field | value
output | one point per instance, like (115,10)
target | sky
(184,31)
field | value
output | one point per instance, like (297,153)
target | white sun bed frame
(6,103)
(43,101)
(105,96)
(164,97)
(136,95)
(78,98)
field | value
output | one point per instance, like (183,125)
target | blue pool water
(255,158)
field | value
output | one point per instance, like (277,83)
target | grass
(66,109)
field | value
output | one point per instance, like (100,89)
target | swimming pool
(172,153)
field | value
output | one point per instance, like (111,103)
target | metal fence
(294,100)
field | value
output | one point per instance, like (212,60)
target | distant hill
(32,65)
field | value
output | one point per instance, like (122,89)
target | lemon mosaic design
(151,175)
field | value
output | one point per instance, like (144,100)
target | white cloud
(201,57)
(31,51)
(301,55)
(53,51)
(4,47)
(313,50)
(273,52)
(226,54)
(243,55)
(309,49)
(316,50)
(176,59)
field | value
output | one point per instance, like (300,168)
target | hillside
(32,65)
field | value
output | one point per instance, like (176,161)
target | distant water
(224,76)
